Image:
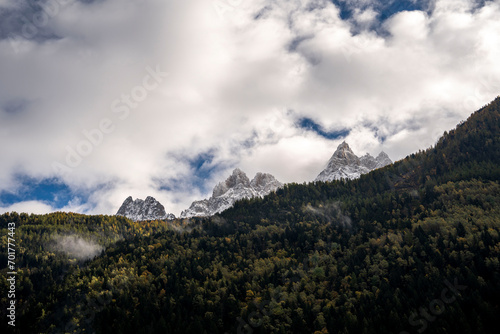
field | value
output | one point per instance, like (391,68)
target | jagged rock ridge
(344,164)
(138,210)
(236,187)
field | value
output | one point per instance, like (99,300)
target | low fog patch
(330,212)
(77,247)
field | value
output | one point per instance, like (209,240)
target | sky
(105,99)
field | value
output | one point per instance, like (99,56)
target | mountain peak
(138,210)
(343,148)
(344,164)
(383,159)
(128,200)
(237,178)
(236,187)
(382,155)
(345,154)
(238,171)
(264,183)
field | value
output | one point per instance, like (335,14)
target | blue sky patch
(385,8)
(202,164)
(50,191)
(310,125)
(203,168)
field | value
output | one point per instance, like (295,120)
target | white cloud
(28,207)
(231,80)
(41,207)
(365,18)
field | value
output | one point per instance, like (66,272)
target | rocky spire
(149,209)
(344,164)
(236,187)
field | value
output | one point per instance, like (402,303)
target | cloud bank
(119,97)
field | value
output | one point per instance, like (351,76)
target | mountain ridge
(148,209)
(344,164)
(236,187)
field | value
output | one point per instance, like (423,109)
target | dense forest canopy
(408,248)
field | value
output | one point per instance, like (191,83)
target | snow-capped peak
(383,159)
(149,209)
(236,187)
(264,183)
(238,177)
(344,164)
(344,154)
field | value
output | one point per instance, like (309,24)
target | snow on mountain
(236,187)
(344,164)
(383,160)
(138,210)
(264,183)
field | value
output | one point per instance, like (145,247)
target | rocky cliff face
(236,187)
(149,209)
(344,164)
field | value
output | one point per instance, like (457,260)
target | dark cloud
(15,106)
